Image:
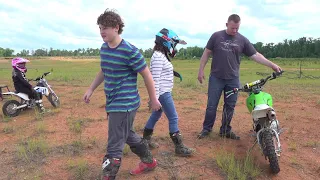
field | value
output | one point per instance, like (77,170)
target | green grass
(32,149)
(8,129)
(78,168)
(312,144)
(82,73)
(62,71)
(234,168)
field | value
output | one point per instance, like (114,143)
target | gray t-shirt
(226,50)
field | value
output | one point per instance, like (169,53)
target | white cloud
(71,24)
(304,8)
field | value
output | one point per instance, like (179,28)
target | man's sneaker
(144,167)
(203,133)
(230,135)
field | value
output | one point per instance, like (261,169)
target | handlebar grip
(276,74)
(46,73)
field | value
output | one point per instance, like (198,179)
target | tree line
(302,47)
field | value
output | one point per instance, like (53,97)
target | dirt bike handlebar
(40,77)
(248,87)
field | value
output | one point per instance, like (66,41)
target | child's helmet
(169,40)
(18,60)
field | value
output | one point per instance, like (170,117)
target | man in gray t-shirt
(226,46)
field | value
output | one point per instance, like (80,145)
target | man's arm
(204,58)
(203,61)
(250,51)
(259,58)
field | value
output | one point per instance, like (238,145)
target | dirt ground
(298,116)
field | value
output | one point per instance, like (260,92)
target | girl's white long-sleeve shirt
(162,73)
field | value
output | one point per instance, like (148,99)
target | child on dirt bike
(120,64)
(21,83)
(163,74)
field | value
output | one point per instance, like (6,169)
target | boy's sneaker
(144,167)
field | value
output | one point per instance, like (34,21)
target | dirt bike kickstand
(255,142)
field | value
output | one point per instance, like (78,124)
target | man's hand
(276,68)
(201,76)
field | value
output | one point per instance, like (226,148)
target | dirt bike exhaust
(272,115)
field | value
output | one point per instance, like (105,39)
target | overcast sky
(71,24)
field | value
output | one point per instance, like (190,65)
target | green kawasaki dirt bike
(265,122)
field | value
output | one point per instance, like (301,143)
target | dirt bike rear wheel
(269,151)
(7,108)
(54,102)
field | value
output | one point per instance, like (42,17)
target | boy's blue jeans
(170,111)
(216,86)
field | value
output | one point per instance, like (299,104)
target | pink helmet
(18,60)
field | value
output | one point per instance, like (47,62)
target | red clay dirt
(300,141)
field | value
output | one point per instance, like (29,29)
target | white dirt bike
(13,108)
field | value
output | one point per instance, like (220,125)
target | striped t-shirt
(120,66)
(162,73)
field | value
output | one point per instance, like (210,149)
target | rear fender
(261,111)
(20,95)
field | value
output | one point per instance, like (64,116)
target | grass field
(69,142)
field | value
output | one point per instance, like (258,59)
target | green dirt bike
(265,122)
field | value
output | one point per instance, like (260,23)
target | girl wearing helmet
(163,74)
(20,81)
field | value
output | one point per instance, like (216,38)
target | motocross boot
(180,148)
(40,106)
(147,133)
(110,168)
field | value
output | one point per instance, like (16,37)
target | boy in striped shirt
(120,63)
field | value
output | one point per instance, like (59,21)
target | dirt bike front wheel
(8,108)
(269,151)
(53,100)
